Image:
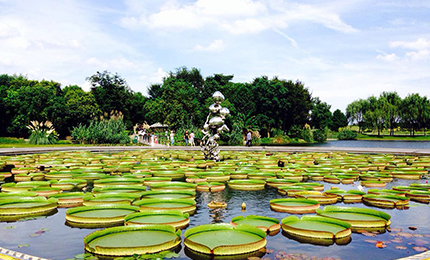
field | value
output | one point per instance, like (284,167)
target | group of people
(188,138)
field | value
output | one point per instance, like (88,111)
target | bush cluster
(347,135)
(112,131)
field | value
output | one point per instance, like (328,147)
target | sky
(341,50)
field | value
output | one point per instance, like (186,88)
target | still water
(377,144)
(61,241)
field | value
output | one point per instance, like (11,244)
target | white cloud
(216,46)
(235,16)
(387,57)
(419,44)
(418,55)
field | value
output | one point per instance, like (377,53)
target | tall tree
(300,105)
(390,106)
(81,106)
(112,93)
(355,112)
(321,116)
(415,112)
(374,115)
(339,120)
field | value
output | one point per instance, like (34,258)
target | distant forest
(271,106)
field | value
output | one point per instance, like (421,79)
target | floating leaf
(45,229)
(419,248)
(421,242)
(10,227)
(39,232)
(413,228)
(34,235)
(368,234)
(23,245)
(170,254)
(80,256)
(254,258)
(397,240)
(400,247)
(371,241)
(404,234)
(394,229)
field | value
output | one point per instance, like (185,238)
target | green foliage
(104,131)
(160,255)
(42,133)
(347,135)
(321,116)
(338,120)
(236,136)
(306,134)
(11,140)
(81,106)
(320,135)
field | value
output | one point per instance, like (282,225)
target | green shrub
(236,136)
(112,131)
(42,133)
(347,135)
(320,136)
(306,134)
(12,140)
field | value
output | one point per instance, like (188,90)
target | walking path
(12,255)
(290,149)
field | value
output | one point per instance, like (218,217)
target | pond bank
(290,149)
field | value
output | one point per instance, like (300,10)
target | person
(249,138)
(186,136)
(192,139)
(172,138)
(141,134)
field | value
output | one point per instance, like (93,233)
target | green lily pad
(23,245)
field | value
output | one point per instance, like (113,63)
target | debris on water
(400,247)
(419,248)
(413,228)
(23,245)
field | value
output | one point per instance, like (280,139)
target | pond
(376,144)
(50,237)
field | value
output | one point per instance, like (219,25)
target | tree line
(390,111)
(271,106)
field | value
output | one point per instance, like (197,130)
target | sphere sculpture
(213,127)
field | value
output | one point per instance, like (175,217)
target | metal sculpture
(213,127)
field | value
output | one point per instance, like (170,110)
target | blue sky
(341,50)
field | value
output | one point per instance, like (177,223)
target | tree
(415,112)
(339,120)
(321,116)
(390,102)
(374,115)
(300,105)
(112,93)
(81,106)
(29,100)
(355,113)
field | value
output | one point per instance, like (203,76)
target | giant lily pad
(16,208)
(131,240)
(99,215)
(169,217)
(224,239)
(210,186)
(69,199)
(173,186)
(247,184)
(184,205)
(110,198)
(269,225)
(386,201)
(359,218)
(317,230)
(294,206)
(172,194)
